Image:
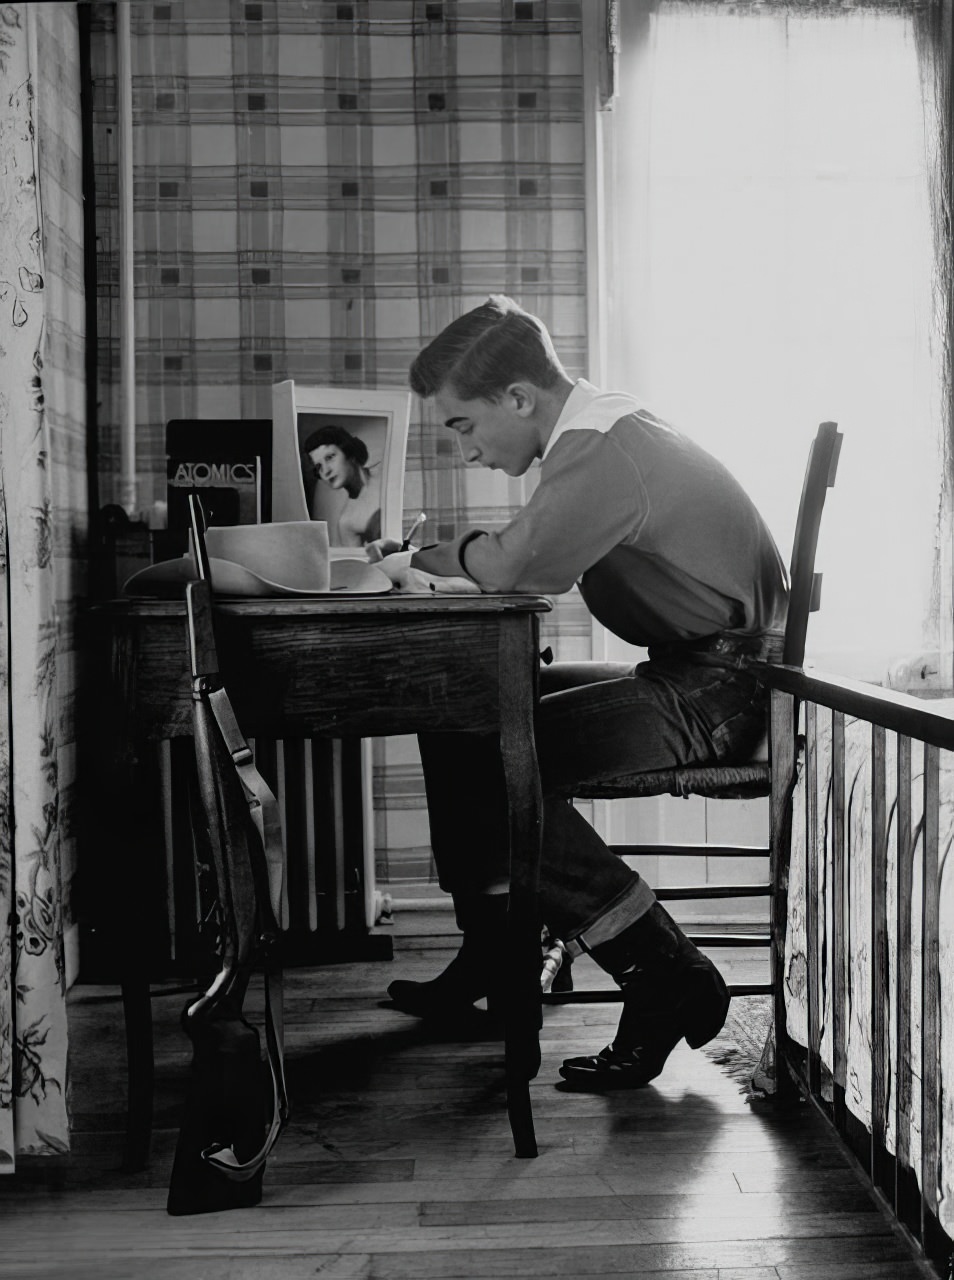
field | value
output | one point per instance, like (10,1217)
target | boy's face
(496,434)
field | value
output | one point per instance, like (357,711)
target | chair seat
(717,781)
(743,781)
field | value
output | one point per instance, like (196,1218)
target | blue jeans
(594,721)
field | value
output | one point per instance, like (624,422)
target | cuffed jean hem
(630,906)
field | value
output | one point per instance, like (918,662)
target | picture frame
(353,473)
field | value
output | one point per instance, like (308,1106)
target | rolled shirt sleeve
(590,499)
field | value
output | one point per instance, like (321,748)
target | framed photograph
(339,455)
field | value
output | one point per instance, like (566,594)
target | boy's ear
(524,397)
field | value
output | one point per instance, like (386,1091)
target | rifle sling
(263,811)
(263,808)
(224,1158)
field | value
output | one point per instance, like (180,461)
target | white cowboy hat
(288,558)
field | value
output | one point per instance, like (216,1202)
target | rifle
(221,1152)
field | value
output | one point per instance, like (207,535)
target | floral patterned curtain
(32,990)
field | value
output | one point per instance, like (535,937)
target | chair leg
(140,1071)
(788,1092)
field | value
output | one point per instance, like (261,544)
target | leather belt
(728,651)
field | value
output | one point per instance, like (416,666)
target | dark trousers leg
(594,721)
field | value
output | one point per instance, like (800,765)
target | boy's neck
(550,403)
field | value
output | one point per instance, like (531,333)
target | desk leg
(140,1069)
(119,860)
(132,891)
(523,1010)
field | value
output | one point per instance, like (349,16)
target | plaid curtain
(320,187)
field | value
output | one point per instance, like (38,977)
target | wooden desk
(341,667)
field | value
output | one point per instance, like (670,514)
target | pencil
(406,544)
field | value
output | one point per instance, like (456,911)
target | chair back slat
(805,594)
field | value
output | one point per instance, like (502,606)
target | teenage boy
(670,554)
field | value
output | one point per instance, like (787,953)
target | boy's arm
(590,498)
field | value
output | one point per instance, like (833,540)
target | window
(770,264)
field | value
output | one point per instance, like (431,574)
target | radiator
(323,789)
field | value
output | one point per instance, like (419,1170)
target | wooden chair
(770,773)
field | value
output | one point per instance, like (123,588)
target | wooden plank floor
(398,1163)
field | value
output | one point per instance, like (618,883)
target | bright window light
(773,267)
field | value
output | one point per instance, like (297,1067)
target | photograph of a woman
(347,485)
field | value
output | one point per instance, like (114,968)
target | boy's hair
(353,447)
(481,353)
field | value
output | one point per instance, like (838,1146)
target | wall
(319,189)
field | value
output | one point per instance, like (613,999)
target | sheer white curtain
(769,263)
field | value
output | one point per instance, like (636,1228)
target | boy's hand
(395,565)
(381,547)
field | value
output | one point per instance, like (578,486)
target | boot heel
(707,1005)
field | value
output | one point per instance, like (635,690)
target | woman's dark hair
(484,351)
(353,447)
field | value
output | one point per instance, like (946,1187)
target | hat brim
(169,578)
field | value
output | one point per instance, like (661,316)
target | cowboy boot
(476,971)
(670,991)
